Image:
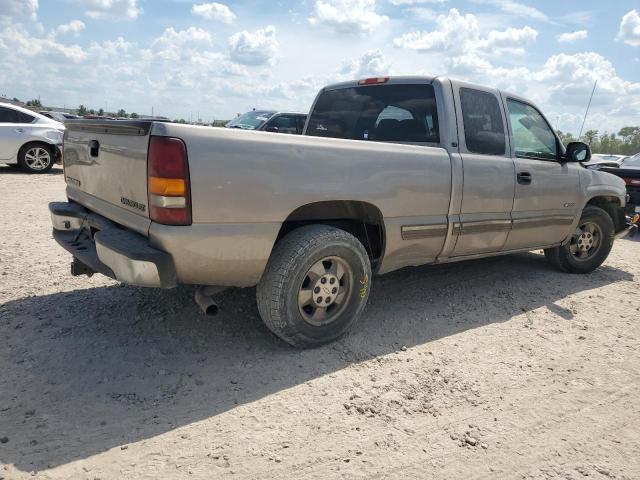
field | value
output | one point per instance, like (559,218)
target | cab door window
(532,135)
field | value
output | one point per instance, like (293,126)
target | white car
(29,140)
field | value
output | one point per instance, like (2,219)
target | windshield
(250,120)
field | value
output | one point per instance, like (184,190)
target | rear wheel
(589,245)
(36,157)
(315,286)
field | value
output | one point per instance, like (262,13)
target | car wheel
(315,286)
(589,245)
(36,157)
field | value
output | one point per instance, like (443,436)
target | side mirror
(577,152)
(272,129)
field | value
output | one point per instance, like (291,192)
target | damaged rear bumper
(104,247)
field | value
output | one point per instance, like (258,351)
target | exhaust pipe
(204,299)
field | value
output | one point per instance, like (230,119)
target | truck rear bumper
(105,248)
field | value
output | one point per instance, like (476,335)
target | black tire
(565,260)
(27,165)
(289,268)
(14,165)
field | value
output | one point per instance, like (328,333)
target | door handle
(524,178)
(20,130)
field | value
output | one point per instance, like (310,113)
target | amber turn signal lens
(168,187)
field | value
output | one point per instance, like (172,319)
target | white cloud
(74,27)
(511,39)
(347,16)
(214,11)
(457,34)
(119,46)
(561,87)
(19,7)
(517,9)
(572,36)
(421,13)
(453,32)
(18,43)
(257,48)
(630,29)
(175,45)
(372,63)
(111,9)
(415,2)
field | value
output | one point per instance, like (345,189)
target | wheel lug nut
(316,290)
(328,300)
(334,290)
(319,300)
(332,281)
(323,280)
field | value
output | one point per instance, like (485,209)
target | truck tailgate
(105,166)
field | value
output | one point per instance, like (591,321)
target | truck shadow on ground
(90,370)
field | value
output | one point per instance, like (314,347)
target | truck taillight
(632,181)
(168,181)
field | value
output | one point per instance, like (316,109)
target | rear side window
(483,126)
(24,118)
(8,116)
(383,113)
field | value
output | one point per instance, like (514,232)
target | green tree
(627,133)
(121,113)
(566,137)
(82,110)
(590,136)
(34,103)
(101,112)
(134,115)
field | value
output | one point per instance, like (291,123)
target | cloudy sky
(184,57)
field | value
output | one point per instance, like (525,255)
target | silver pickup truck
(389,173)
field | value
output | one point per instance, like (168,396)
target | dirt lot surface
(491,369)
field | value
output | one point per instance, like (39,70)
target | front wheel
(589,245)
(315,286)
(36,158)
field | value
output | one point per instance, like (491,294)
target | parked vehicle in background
(270,121)
(629,171)
(61,117)
(29,140)
(91,116)
(605,159)
(390,173)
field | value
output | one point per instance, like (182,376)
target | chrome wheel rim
(586,241)
(325,291)
(37,158)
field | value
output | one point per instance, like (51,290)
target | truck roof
(426,79)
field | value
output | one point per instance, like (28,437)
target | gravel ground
(500,368)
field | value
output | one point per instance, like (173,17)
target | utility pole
(588,105)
